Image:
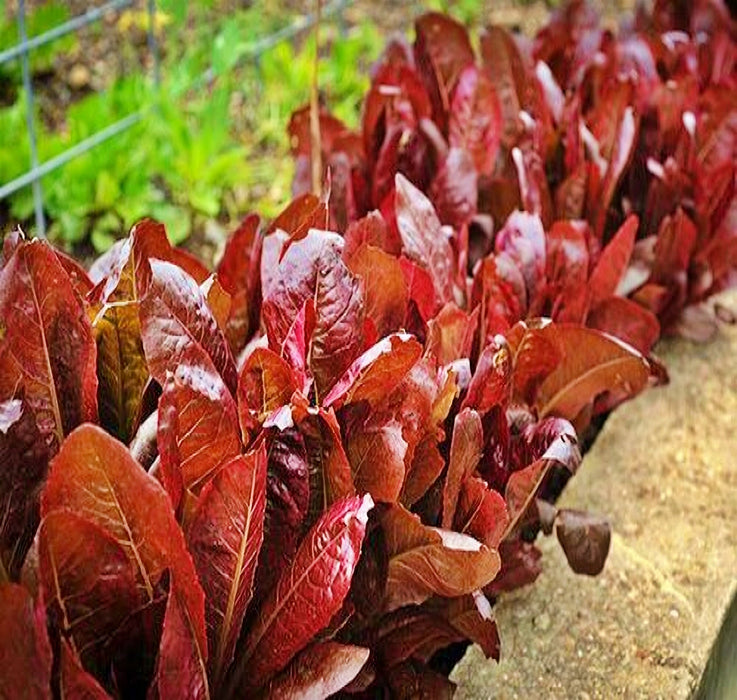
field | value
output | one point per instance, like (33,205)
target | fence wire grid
(21,52)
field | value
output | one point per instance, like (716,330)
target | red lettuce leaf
(466,447)
(472,617)
(415,633)
(475,120)
(523,485)
(225,540)
(95,477)
(218,300)
(197,432)
(612,264)
(481,512)
(376,373)
(122,372)
(181,666)
(287,503)
(592,363)
(450,334)
(415,680)
(423,238)
(585,540)
(520,567)
(308,593)
(386,291)
(329,468)
(454,189)
(88,586)
(312,268)
(377,452)
(238,272)
(177,326)
(627,320)
(266,382)
(321,670)
(46,345)
(442,50)
(512,81)
(492,379)
(301,214)
(426,561)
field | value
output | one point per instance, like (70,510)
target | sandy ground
(664,469)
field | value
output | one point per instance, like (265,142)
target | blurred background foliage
(206,151)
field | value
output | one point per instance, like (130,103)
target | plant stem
(316,155)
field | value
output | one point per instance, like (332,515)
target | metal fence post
(30,122)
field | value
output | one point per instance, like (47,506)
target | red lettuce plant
(336,481)
(618,149)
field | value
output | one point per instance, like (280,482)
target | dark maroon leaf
(472,617)
(415,680)
(414,632)
(287,503)
(442,51)
(512,81)
(24,457)
(25,654)
(585,539)
(74,681)
(520,567)
(329,468)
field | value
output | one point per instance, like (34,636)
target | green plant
(203,150)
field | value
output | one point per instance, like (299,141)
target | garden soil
(664,470)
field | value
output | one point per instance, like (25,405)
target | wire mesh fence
(22,50)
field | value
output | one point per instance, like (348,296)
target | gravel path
(664,469)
